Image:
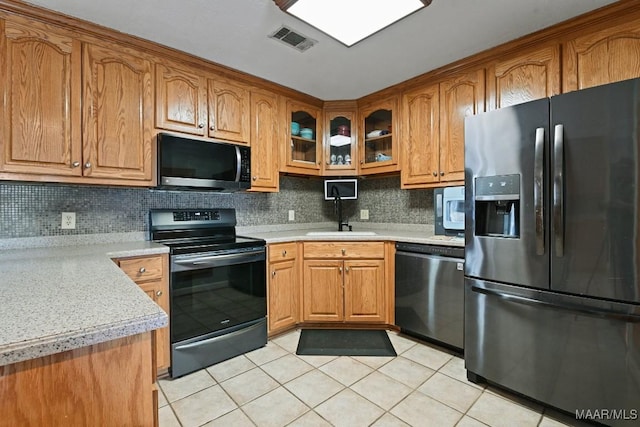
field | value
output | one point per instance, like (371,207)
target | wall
(33,209)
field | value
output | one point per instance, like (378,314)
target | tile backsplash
(34,209)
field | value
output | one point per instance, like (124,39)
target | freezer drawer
(569,352)
(430,297)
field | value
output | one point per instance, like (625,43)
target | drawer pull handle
(142,270)
(159,293)
(344,251)
(284,253)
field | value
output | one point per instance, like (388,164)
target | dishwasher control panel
(448,251)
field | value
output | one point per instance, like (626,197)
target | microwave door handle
(538,190)
(238,164)
(558,189)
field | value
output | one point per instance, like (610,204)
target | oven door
(215,291)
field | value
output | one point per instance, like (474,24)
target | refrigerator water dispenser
(497,206)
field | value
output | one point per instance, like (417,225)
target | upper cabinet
(189,101)
(181,99)
(421,137)
(117,113)
(433,130)
(602,57)
(340,125)
(41,91)
(378,151)
(524,77)
(302,148)
(229,106)
(460,96)
(47,76)
(265,140)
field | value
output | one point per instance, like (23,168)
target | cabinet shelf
(301,139)
(377,138)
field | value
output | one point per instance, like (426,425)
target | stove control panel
(196,216)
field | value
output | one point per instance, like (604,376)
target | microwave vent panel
(293,38)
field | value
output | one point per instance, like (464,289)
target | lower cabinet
(106,384)
(283,287)
(151,273)
(344,282)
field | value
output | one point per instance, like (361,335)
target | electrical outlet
(364,213)
(292,215)
(68,221)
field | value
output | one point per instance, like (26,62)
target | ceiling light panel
(350,21)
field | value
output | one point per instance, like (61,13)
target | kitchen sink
(341,233)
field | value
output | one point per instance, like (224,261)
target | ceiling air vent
(292,38)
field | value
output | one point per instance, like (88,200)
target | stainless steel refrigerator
(552,253)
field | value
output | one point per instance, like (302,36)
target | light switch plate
(364,213)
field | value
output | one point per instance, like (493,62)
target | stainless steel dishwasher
(430,292)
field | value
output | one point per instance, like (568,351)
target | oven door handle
(220,260)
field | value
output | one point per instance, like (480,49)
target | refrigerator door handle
(538,191)
(599,312)
(558,189)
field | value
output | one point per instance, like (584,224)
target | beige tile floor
(272,386)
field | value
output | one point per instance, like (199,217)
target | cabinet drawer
(142,269)
(344,250)
(282,252)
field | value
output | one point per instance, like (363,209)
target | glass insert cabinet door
(304,130)
(340,142)
(378,149)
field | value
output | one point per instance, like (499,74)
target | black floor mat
(344,342)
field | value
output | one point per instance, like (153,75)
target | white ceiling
(234,33)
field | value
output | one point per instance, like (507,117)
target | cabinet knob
(340,270)
(344,251)
(284,253)
(441,173)
(346,269)
(200,125)
(255,178)
(87,165)
(212,127)
(142,270)
(75,164)
(273,273)
(362,162)
(159,293)
(435,173)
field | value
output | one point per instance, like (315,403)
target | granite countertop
(61,298)
(409,233)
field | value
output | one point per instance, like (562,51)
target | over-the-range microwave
(185,163)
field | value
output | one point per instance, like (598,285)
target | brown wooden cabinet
(151,273)
(265,140)
(524,77)
(106,384)
(378,149)
(283,287)
(602,57)
(40,85)
(117,113)
(433,130)
(340,154)
(192,101)
(229,109)
(302,152)
(344,282)
(421,137)
(460,96)
(181,99)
